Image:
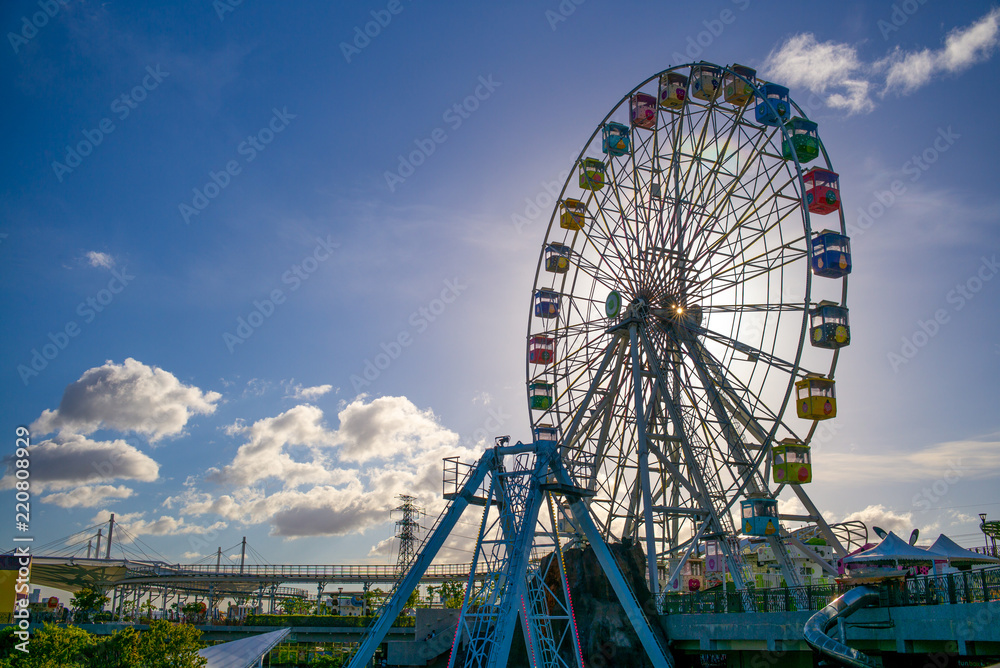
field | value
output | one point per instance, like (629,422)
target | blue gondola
(616,139)
(760,517)
(773,107)
(546,304)
(831,254)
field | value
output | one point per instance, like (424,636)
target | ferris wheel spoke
(761,140)
(722,285)
(754,203)
(569,437)
(614,243)
(745,415)
(737,181)
(759,236)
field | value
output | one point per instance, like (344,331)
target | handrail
(975,586)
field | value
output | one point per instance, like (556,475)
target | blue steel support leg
(643,456)
(378,630)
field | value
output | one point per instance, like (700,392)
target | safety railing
(976,586)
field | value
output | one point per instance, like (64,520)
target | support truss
(518,568)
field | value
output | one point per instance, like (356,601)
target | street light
(982,526)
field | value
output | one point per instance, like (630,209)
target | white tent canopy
(893,550)
(958,555)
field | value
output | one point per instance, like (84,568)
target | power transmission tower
(407,528)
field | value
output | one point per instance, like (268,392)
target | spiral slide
(815,630)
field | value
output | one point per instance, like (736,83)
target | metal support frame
(513,583)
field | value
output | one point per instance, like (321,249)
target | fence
(976,586)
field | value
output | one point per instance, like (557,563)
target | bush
(319,620)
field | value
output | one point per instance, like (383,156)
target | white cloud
(88,496)
(71,459)
(384,548)
(836,72)
(300,393)
(135,525)
(955,460)
(804,62)
(271,442)
(963,48)
(329,483)
(878,515)
(97,259)
(127,397)
(387,427)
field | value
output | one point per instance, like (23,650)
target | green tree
(373,599)
(335,661)
(58,647)
(452,593)
(147,609)
(298,606)
(121,650)
(194,610)
(414,600)
(87,602)
(167,645)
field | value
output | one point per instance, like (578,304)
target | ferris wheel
(682,305)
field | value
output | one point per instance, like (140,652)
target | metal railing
(977,586)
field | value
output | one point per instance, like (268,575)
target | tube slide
(815,630)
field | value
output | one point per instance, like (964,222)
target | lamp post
(982,526)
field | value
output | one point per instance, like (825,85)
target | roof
(243,653)
(956,554)
(892,550)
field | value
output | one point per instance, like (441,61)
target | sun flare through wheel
(681,305)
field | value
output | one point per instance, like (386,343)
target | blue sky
(261,322)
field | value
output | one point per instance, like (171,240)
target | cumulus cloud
(136,525)
(389,426)
(127,397)
(71,459)
(963,48)
(804,62)
(878,515)
(384,548)
(835,71)
(270,446)
(300,393)
(88,496)
(331,482)
(956,460)
(97,259)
